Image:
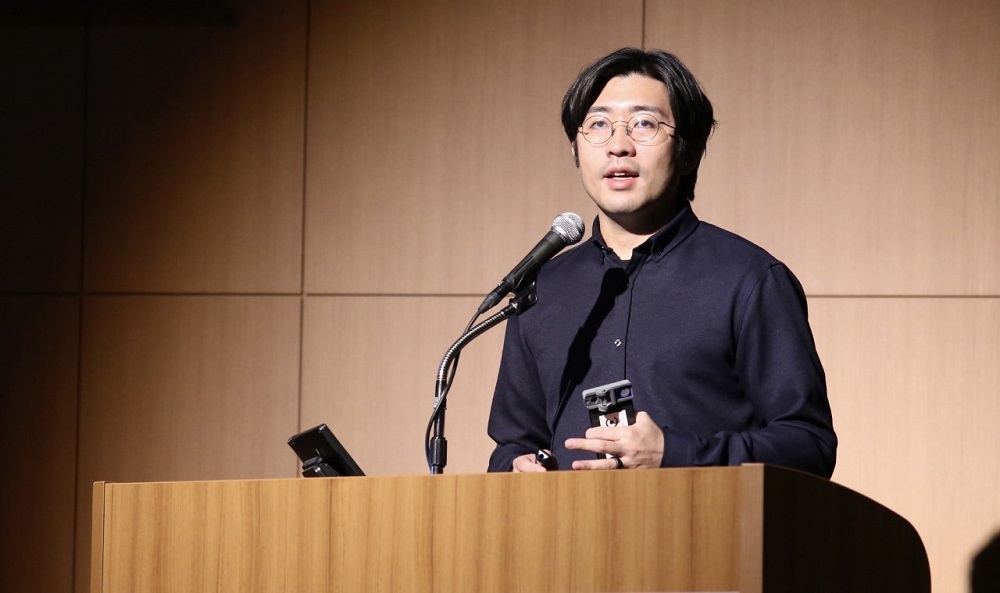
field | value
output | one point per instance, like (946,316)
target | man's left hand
(637,446)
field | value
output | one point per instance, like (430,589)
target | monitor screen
(322,454)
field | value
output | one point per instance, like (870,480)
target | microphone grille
(569,226)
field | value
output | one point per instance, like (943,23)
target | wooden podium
(753,528)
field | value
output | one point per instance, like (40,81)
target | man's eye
(644,122)
(597,124)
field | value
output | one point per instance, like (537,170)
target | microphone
(567,229)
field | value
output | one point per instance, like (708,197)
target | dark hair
(691,108)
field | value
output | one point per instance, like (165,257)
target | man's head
(691,111)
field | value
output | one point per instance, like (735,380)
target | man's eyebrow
(632,109)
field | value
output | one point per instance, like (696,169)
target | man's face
(633,184)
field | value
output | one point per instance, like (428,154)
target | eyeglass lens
(641,127)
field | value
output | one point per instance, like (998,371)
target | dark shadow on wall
(985,573)
(118,13)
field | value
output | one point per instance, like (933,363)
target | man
(710,329)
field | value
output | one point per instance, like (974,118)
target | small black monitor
(322,454)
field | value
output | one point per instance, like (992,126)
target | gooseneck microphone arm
(567,229)
(437,445)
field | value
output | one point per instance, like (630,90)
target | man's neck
(620,240)
(623,236)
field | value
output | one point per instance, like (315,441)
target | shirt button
(618,342)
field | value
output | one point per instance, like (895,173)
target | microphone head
(569,226)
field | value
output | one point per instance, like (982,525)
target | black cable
(441,393)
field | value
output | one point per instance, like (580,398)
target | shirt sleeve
(777,364)
(517,418)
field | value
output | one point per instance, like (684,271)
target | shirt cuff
(678,448)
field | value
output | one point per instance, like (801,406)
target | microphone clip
(524,299)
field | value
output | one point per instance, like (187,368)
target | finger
(527,463)
(593,445)
(607,433)
(595,464)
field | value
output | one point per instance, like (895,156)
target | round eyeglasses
(641,127)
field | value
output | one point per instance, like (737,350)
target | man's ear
(576,154)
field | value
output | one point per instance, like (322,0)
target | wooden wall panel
(38,408)
(185,388)
(41,149)
(858,142)
(369,367)
(915,390)
(435,153)
(195,146)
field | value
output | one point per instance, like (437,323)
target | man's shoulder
(578,259)
(732,260)
(716,242)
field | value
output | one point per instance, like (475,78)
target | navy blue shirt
(710,329)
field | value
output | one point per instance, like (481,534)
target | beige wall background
(221,224)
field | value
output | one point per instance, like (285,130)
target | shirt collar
(660,243)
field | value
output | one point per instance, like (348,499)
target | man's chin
(637,219)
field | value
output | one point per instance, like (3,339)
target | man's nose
(620,143)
